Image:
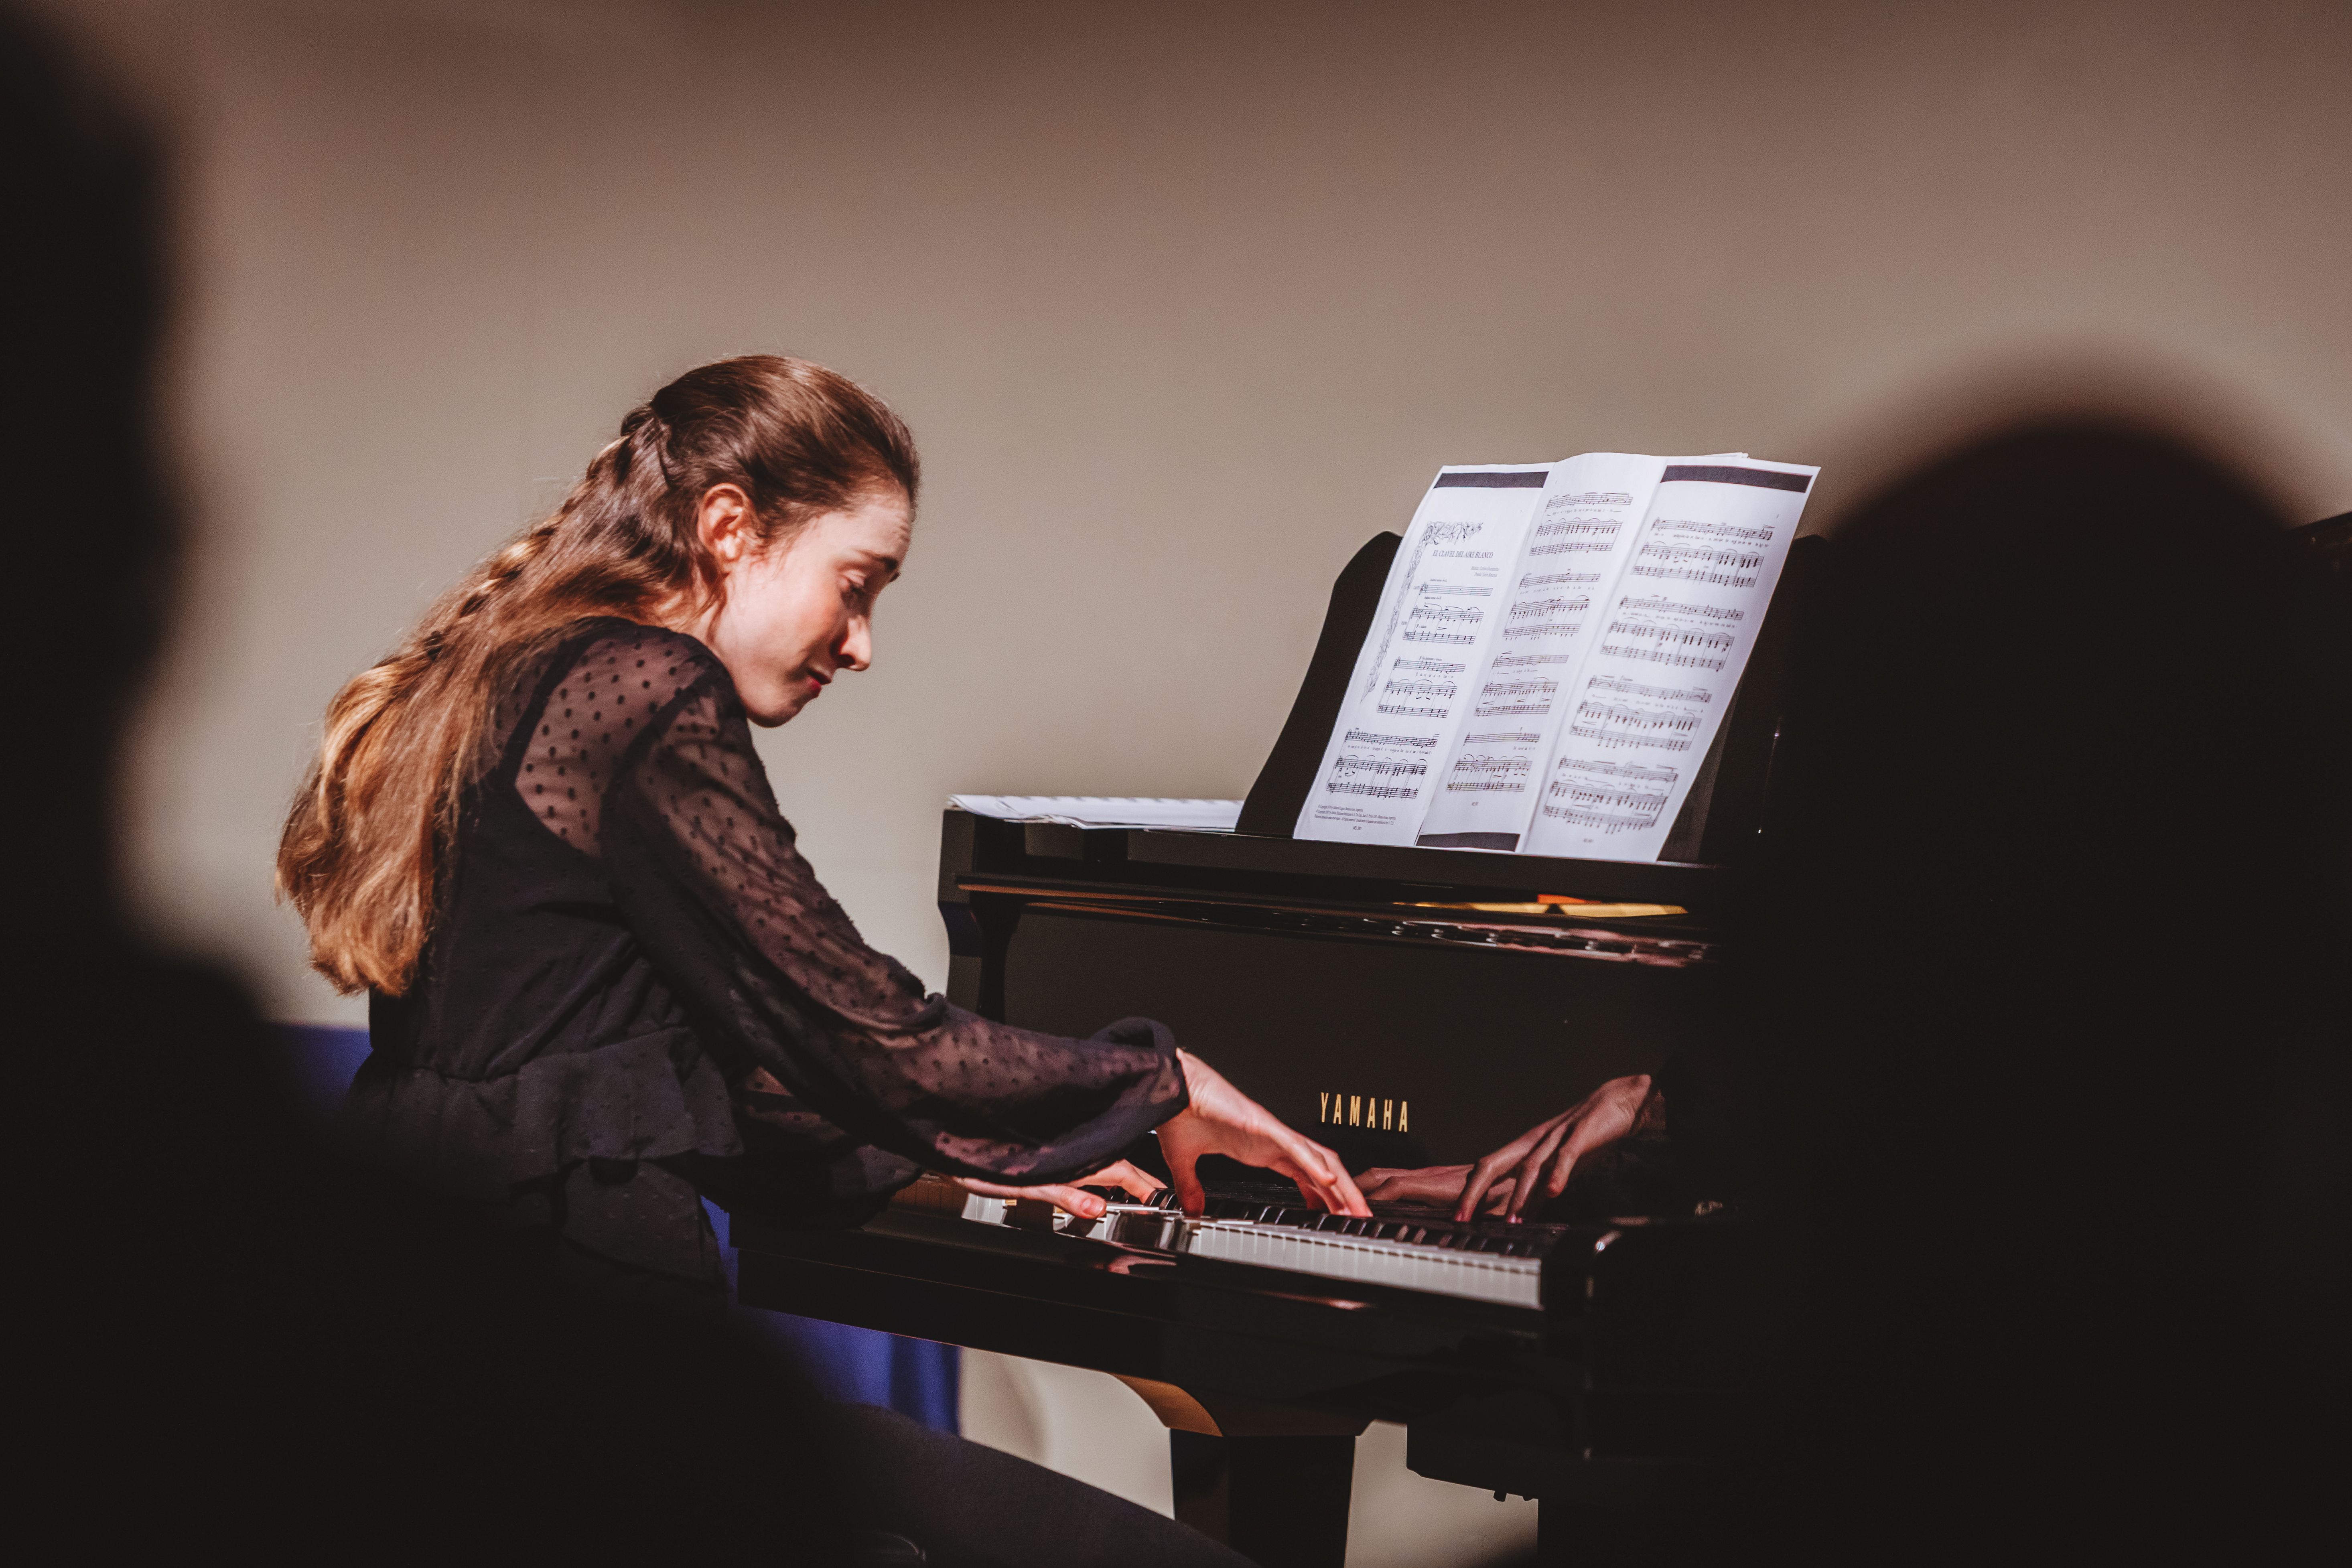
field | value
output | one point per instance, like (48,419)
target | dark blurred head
(89,540)
(2044,947)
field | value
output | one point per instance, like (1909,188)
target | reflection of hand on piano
(1541,1159)
(1086,1205)
(1222,1119)
(1430,1184)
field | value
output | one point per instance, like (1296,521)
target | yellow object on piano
(1549,904)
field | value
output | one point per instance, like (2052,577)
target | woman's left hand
(1068,1196)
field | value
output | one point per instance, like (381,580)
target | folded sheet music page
(1583,530)
(1553,653)
(1671,636)
(1430,637)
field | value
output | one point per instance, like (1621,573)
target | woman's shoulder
(605,655)
(606,639)
(599,681)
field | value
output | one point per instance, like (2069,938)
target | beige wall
(1185,301)
(1158,286)
(1181,299)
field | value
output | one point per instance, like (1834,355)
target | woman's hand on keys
(1222,1119)
(1068,1195)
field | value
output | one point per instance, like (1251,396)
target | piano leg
(1282,1502)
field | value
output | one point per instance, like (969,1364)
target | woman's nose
(856,649)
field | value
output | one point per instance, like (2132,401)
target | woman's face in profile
(798,612)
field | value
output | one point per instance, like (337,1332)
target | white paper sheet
(1665,656)
(1106,811)
(1414,675)
(1584,529)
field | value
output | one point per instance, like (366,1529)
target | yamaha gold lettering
(1336,1110)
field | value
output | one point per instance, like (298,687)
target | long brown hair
(367,846)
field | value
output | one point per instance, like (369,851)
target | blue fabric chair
(856,1366)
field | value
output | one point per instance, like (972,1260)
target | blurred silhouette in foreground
(2042,1107)
(229,1337)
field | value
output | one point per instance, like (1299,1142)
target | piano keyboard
(1477,1262)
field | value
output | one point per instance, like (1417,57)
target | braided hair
(368,842)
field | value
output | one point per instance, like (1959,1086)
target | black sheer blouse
(636,993)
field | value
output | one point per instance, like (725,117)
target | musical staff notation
(1348,766)
(1574,547)
(1433,665)
(1614,797)
(1541,617)
(1417,696)
(1493,767)
(1444,623)
(1503,738)
(1544,609)
(1475,590)
(1678,648)
(1427,538)
(1475,773)
(1579,528)
(1659,605)
(1365,777)
(1668,554)
(1498,698)
(1623,724)
(1549,579)
(1727,531)
(1368,738)
(1626,685)
(1696,564)
(1529,660)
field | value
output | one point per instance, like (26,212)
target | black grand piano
(1407,1006)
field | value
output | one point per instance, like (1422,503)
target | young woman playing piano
(603,981)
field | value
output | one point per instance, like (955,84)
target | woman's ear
(724,525)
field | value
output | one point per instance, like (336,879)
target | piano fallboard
(1351,989)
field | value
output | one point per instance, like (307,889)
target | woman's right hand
(1222,1119)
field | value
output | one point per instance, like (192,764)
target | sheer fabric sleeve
(706,872)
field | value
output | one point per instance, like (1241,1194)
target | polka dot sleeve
(704,867)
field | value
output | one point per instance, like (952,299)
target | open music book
(1554,651)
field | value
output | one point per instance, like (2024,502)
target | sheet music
(1584,528)
(1106,811)
(1668,642)
(1438,615)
